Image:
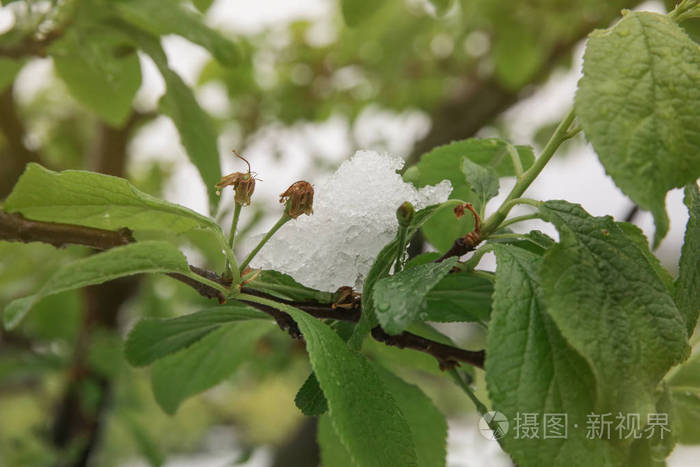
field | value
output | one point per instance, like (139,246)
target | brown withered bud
(346,298)
(243,184)
(299,198)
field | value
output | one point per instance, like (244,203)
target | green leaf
(202,5)
(205,363)
(283,286)
(656,443)
(96,200)
(332,450)
(400,299)
(482,180)
(610,304)
(461,296)
(380,268)
(365,416)
(533,241)
(100,71)
(517,52)
(686,409)
(197,132)
(151,16)
(310,399)
(427,423)
(152,339)
(8,70)
(638,103)
(146,444)
(357,11)
(136,258)
(687,287)
(445,162)
(684,385)
(635,234)
(530,368)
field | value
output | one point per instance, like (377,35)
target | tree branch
(14,227)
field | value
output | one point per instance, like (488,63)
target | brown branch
(446,355)
(14,227)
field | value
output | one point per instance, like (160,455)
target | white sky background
(577,177)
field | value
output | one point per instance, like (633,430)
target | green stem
(517,219)
(480,407)
(231,266)
(515,157)
(210,283)
(473,262)
(560,135)
(506,236)
(283,220)
(402,246)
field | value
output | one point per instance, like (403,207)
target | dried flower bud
(299,198)
(404,214)
(243,184)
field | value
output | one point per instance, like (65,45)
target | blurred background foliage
(66,395)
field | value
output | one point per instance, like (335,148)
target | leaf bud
(404,214)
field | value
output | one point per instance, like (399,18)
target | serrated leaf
(152,339)
(427,424)
(205,363)
(635,234)
(136,258)
(638,103)
(99,70)
(400,299)
(611,306)
(461,296)
(151,16)
(96,200)
(283,286)
(482,180)
(310,399)
(445,162)
(687,286)
(356,394)
(380,268)
(530,368)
